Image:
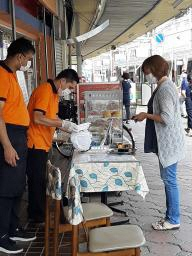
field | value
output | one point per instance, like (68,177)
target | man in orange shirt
(14,121)
(43,109)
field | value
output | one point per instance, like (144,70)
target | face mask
(66,92)
(25,68)
(151,79)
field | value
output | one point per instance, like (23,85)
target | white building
(176,47)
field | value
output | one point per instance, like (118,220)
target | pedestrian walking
(126,86)
(188,103)
(164,135)
(184,85)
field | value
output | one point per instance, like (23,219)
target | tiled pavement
(162,243)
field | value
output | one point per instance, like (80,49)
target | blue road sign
(159,38)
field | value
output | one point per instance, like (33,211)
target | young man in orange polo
(14,121)
(43,109)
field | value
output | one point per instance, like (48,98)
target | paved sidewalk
(161,243)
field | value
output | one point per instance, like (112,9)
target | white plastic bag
(83,127)
(81,140)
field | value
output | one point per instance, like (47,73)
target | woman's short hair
(158,65)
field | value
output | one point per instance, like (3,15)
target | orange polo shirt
(15,110)
(44,99)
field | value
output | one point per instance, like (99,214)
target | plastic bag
(81,140)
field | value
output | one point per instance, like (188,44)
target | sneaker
(8,246)
(164,225)
(21,235)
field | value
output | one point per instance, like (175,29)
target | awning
(128,19)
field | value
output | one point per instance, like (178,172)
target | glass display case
(103,109)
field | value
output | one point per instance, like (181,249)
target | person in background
(14,121)
(164,135)
(126,94)
(43,109)
(188,103)
(184,85)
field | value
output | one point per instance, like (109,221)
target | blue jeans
(169,177)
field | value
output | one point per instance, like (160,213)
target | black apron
(13,179)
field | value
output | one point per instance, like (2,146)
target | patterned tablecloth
(101,172)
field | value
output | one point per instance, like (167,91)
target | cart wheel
(131,137)
(65,149)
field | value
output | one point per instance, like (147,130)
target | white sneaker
(164,225)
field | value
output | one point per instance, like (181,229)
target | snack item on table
(116,114)
(106,114)
(120,146)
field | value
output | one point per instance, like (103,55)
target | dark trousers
(188,103)
(12,180)
(127,109)
(9,209)
(36,174)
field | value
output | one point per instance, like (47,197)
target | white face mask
(151,79)
(25,68)
(66,92)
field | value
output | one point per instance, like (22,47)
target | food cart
(109,165)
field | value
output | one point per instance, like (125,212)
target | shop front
(33,22)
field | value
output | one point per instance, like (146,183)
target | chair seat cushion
(94,211)
(115,238)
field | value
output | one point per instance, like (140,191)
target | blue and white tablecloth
(102,172)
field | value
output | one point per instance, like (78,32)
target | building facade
(42,22)
(172,40)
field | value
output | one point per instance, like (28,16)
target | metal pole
(35,67)
(78,47)
(12,11)
(45,43)
(53,38)
(65,39)
(69,56)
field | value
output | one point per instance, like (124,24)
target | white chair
(121,240)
